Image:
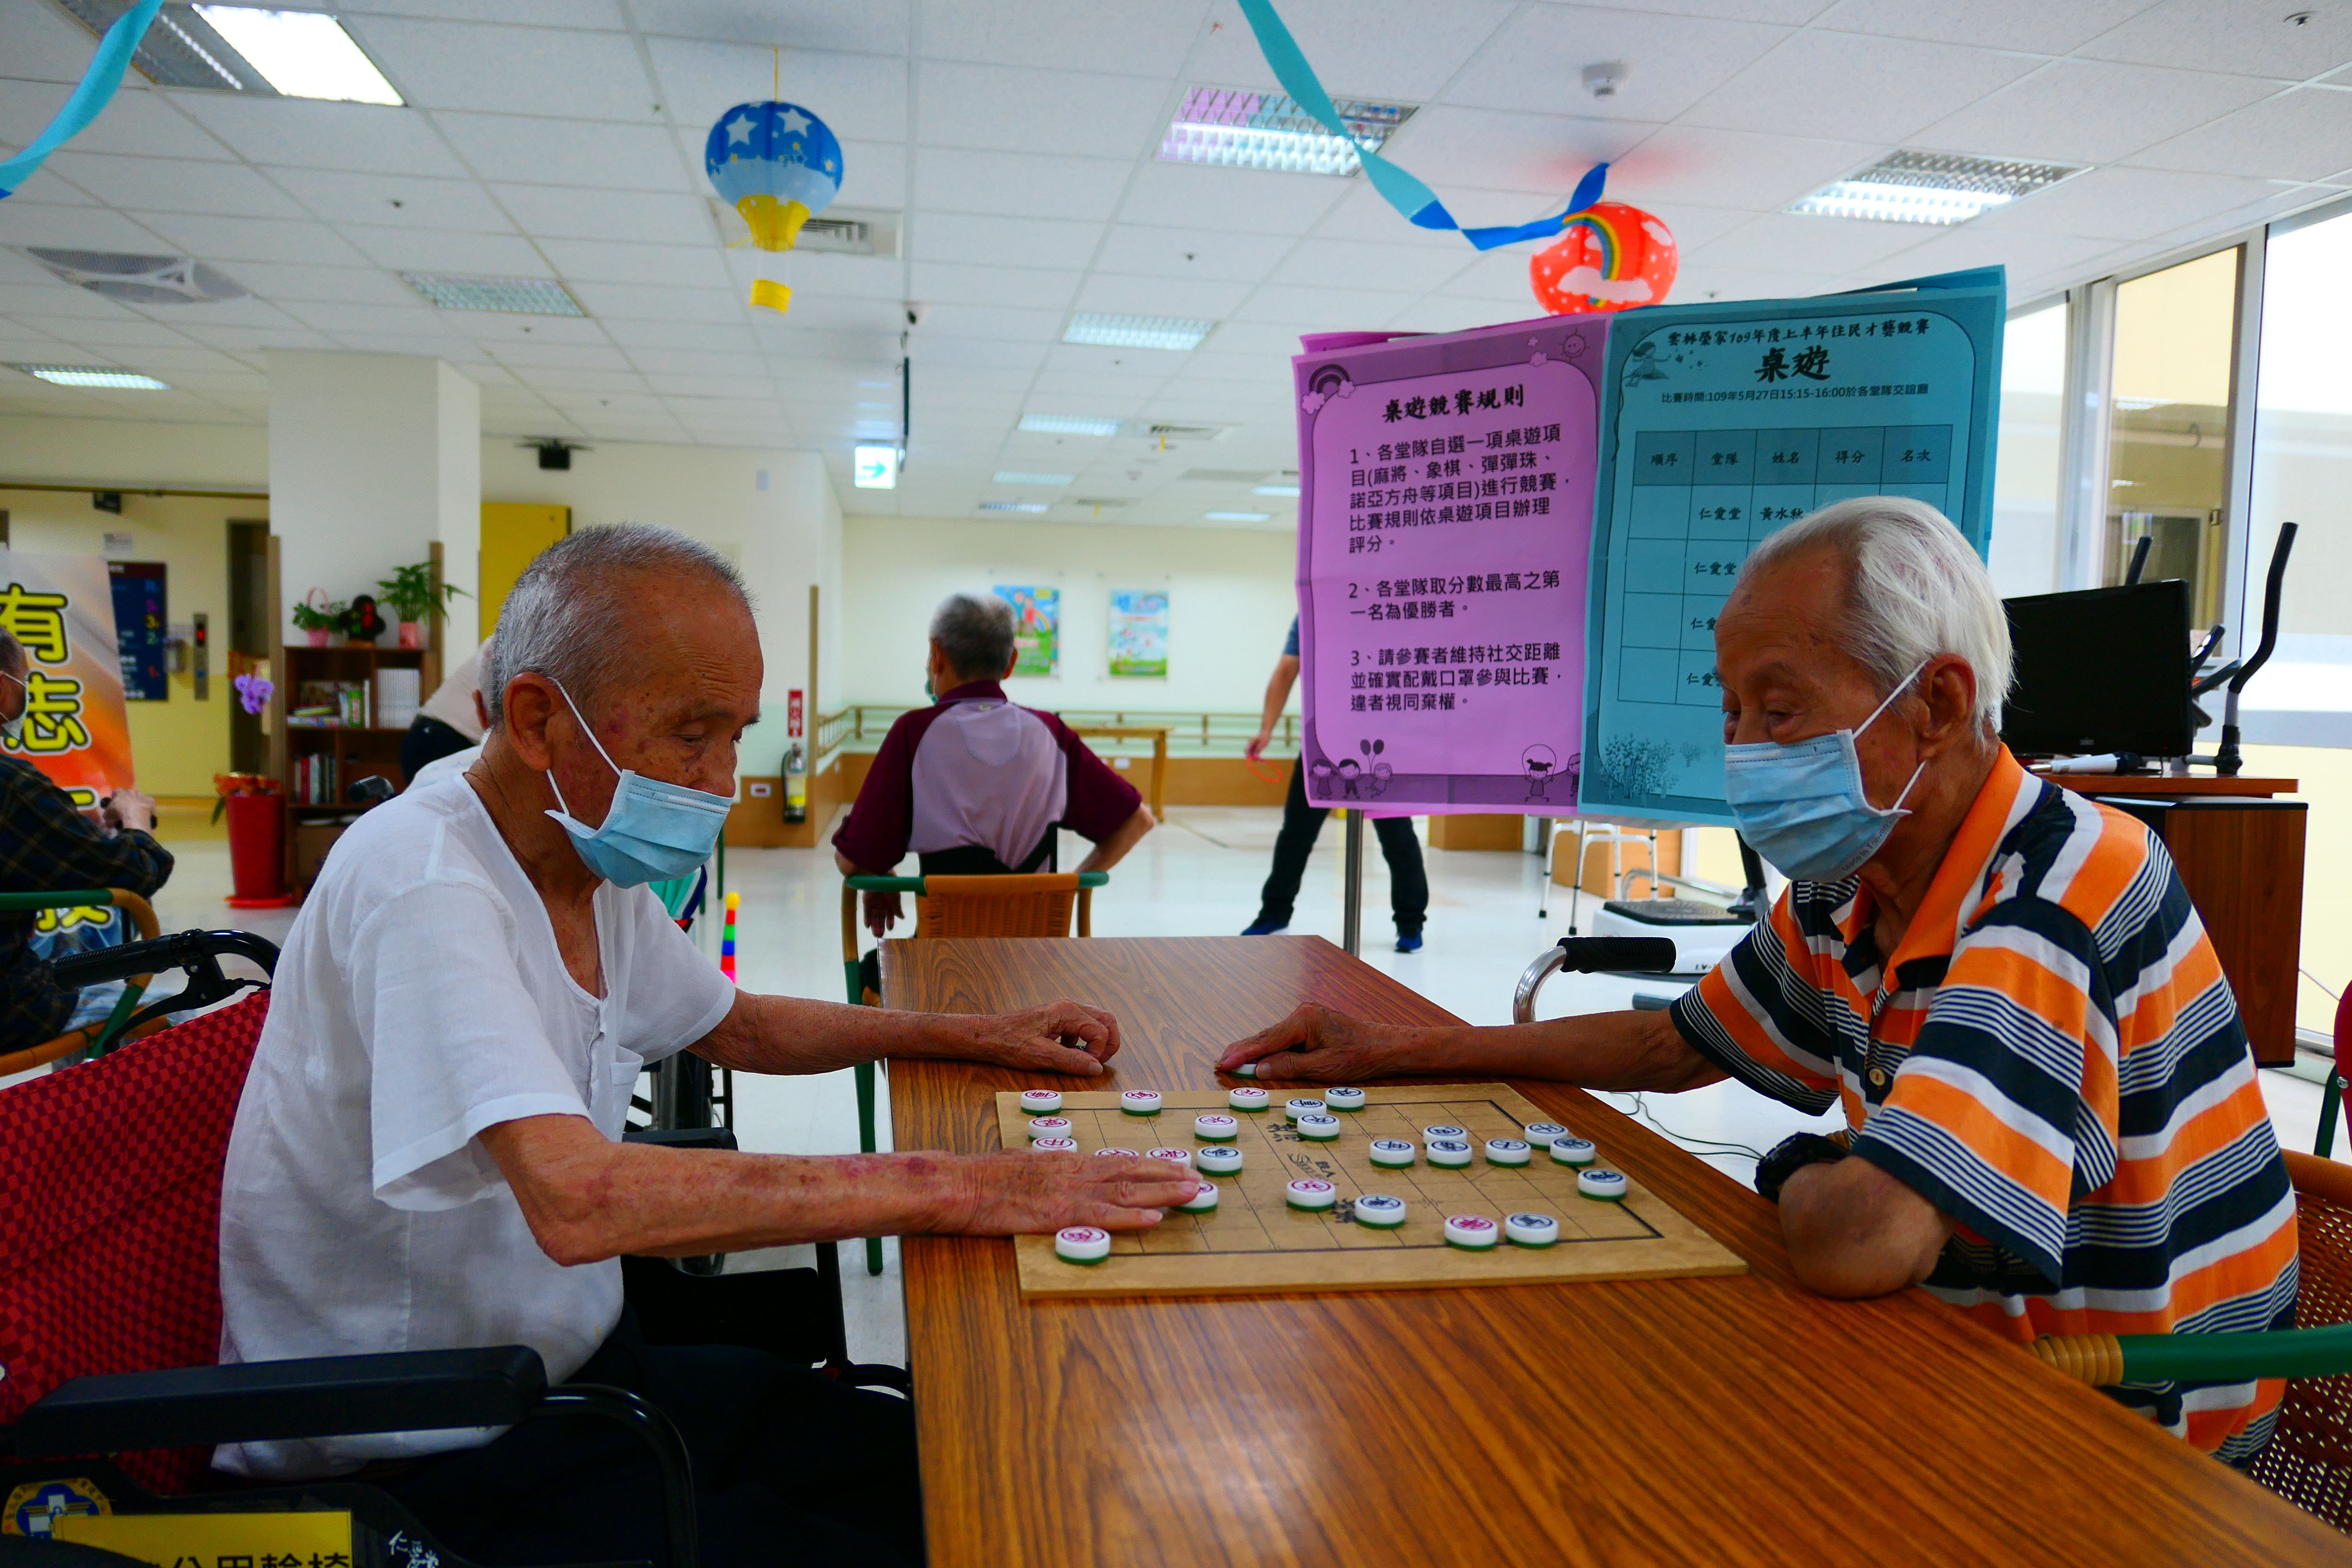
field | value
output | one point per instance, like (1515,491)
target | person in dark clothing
(1302,823)
(50,847)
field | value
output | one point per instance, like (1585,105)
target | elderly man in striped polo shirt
(2054,1120)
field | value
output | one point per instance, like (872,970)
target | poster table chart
(1726,1420)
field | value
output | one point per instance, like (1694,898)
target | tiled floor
(1198,874)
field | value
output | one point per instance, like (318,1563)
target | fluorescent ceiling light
(1006,476)
(1236,128)
(874,468)
(1135,331)
(1028,506)
(1931,187)
(1275,491)
(518,296)
(93,376)
(302,54)
(1238,516)
(2142,404)
(1068,425)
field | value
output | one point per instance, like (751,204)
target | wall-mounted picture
(1138,632)
(1037,628)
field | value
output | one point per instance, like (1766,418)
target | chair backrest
(1038,904)
(2309,1461)
(110,1214)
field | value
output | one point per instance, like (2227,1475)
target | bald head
(604,608)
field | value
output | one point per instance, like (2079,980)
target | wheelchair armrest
(322,1396)
(191,950)
(681,1137)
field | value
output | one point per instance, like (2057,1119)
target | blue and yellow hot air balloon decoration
(780,166)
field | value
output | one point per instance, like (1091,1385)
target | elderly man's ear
(530,702)
(1947,690)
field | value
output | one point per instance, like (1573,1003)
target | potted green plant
(322,619)
(411,594)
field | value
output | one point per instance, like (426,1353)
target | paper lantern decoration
(780,166)
(1610,257)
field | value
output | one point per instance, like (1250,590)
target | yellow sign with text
(217,1540)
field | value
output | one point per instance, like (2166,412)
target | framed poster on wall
(141,627)
(1036,628)
(1138,632)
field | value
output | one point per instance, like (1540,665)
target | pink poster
(1445,514)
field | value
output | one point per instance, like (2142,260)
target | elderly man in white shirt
(427,1150)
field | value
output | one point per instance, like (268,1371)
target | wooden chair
(2309,1461)
(1037,904)
(110,1030)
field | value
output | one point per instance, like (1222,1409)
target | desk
(1717,1421)
(1155,733)
(2240,853)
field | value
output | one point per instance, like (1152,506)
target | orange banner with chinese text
(75,729)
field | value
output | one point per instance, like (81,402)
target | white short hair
(566,617)
(1916,590)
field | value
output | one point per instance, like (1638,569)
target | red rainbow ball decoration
(1611,257)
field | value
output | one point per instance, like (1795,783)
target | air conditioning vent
(179,51)
(139,279)
(1225,476)
(838,231)
(1097,504)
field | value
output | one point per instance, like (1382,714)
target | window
(2024,553)
(2168,440)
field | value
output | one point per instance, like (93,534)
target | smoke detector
(140,279)
(1603,79)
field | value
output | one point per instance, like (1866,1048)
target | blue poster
(1728,422)
(141,627)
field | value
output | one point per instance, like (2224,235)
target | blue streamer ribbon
(1401,190)
(89,100)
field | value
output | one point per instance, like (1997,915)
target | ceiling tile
(1166,252)
(1462,151)
(140,121)
(2257,37)
(49,305)
(417,319)
(395,201)
(581,356)
(1536,61)
(2025,255)
(1019,185)
(40,43)
(1358,264)
(248,239)
(93,229)
(1363,214)
(1796,242)
(657,334)
(445,250)
(634,303)
(1222,201)
(2305,134)
(1730,169)
(689,362)
(460,65)
(174,185)
(757,387)
(605,15)
(2029,25)
(1004,241)
(1136,38)
(2090,111)
(587,212)
(1843,84)
(858,97)
(966,284)
(2122,204)
(1002,109)
(1409,51)
(568,152)
(126,333)
(366,137)
(816,273)
(854,26)
(1202,298)
(671,266)
(995,321)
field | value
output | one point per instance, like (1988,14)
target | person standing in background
(450,721)
(1302,823)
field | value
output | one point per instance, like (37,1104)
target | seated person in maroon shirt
(976,785)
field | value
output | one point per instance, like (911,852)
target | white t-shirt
(421,998)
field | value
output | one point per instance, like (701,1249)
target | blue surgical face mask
(652,830)
(13,730)
(1801,806)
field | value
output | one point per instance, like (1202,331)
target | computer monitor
(2102,670)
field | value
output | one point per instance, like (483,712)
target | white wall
(772,512)
(130,454)
(372,459)
(1232,596)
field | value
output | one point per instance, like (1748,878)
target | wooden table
(1706,1421)
(1155,733)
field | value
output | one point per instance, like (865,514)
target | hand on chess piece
(1026,1194)
(1320,1045)
(1060,1036)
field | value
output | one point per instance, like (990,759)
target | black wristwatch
(1791,1155)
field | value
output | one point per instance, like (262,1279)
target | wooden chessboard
(1254,1241)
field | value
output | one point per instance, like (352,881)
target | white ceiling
(562,138)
